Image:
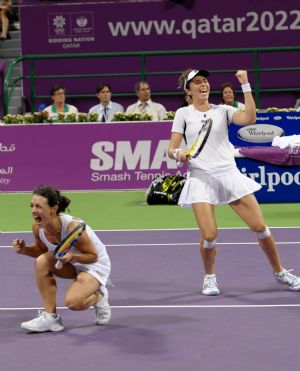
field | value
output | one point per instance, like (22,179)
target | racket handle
(179,164)
(58,264)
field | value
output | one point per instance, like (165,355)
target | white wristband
(246,88)
(175,153)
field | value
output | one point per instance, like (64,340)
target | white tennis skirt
(217,189)
(100,270)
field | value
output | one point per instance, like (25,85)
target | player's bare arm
(86,251)
(33,250)
(175,142)
(248,115)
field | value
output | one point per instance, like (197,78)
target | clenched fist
(19,246)
(242,76)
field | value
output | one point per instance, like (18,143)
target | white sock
(52,315)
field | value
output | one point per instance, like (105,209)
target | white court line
(157,229)
(174,244)
(223,306)
(195,244)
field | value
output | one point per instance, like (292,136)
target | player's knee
(73,303)
(41,262)
(209,244)
(262,233)
(209,235)
(209,240)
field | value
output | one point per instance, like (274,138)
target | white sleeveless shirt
(65,221)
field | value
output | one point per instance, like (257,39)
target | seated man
(106,108)
(58,96)
(145,104)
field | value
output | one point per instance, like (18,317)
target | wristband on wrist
(175,153)
(246,88)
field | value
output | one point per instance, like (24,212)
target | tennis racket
(197,146)
(69,241)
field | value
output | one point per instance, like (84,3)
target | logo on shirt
(260,133)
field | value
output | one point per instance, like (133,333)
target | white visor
(194,73)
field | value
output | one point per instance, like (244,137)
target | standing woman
(213,177)
(5,8)
(87,264)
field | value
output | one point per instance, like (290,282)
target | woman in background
(228,96)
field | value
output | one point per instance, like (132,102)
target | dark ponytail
(53,196)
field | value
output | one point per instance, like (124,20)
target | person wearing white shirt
(106,109)
(86,264)
(213,176)
(58,95)
(145,105)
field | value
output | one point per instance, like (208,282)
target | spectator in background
(106,108)
(228,96)
(5,9)
(58,95)
(144,105)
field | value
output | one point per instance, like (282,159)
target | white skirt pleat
(217,190)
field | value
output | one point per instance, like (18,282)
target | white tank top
(65,221)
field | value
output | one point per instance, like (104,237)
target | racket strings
(198,144)
(193,149)
(201,139)
(69,241)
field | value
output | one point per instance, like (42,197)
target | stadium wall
(62,27)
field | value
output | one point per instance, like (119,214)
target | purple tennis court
(160,319)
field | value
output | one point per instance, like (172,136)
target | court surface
(160,319)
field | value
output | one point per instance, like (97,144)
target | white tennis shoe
(210,285)
(44,322)
(102,308)
(286,278)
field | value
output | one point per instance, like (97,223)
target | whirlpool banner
(268,125)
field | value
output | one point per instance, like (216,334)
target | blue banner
(268,125)
(279,183)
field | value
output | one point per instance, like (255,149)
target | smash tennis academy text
(123,161)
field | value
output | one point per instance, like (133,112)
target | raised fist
(242,76)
